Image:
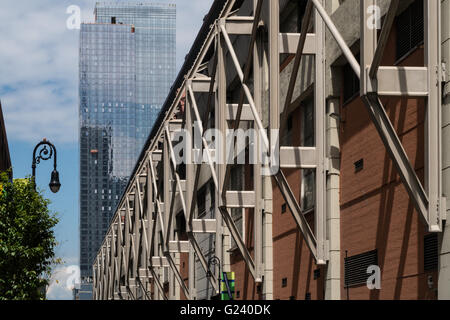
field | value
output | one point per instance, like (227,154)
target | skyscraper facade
(127,65)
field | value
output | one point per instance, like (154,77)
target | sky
(39,96)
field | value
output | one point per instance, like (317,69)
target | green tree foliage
(27,240)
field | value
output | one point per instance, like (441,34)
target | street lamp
(46,154)
(213,261)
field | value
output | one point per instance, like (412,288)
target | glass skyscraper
(127,65)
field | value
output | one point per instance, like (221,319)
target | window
(284,282)
(180,225)
(307,140)
(351,82)
(410,28)
(430,252)
(308,189)
(287,138)
(307,124)
(356,268)
(238,214)
(201,202)
(294,11)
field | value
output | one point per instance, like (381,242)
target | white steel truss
(141,245)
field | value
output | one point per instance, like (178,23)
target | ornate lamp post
(46,152)
(213,261)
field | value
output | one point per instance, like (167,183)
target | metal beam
(204,225)
(240,199)
(395,149)
(239,25)
(298,157)
(289,43)
(401,81)
(384,36)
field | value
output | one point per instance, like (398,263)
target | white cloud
(62,282)
(39,64)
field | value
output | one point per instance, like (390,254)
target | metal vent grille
(431,252)
(359,165)
(410,28)
(356,267)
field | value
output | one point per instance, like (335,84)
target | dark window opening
(201,202)
(283,208)
(301,8)
(113,20)
(284,282)
(293,11)
(351,82)
(181,225)
(410,28)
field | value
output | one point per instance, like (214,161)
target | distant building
(82,291)
(75,293)
(5,159)
(126,68)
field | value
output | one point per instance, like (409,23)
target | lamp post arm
(44,154)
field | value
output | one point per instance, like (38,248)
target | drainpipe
(444,238)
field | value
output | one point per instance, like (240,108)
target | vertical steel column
(320,118)
(223,241)
(257,172)
(265,195)
(368,44)
(113,259)
(273,107)
(152,217)
(119,250)
(136,215)
(190,177)
(94,280)
(167,211)
(433,155)
(159,271)
(444,239)
(274,72)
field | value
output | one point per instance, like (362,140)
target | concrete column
(333,273)
(268,238)
(444,238)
